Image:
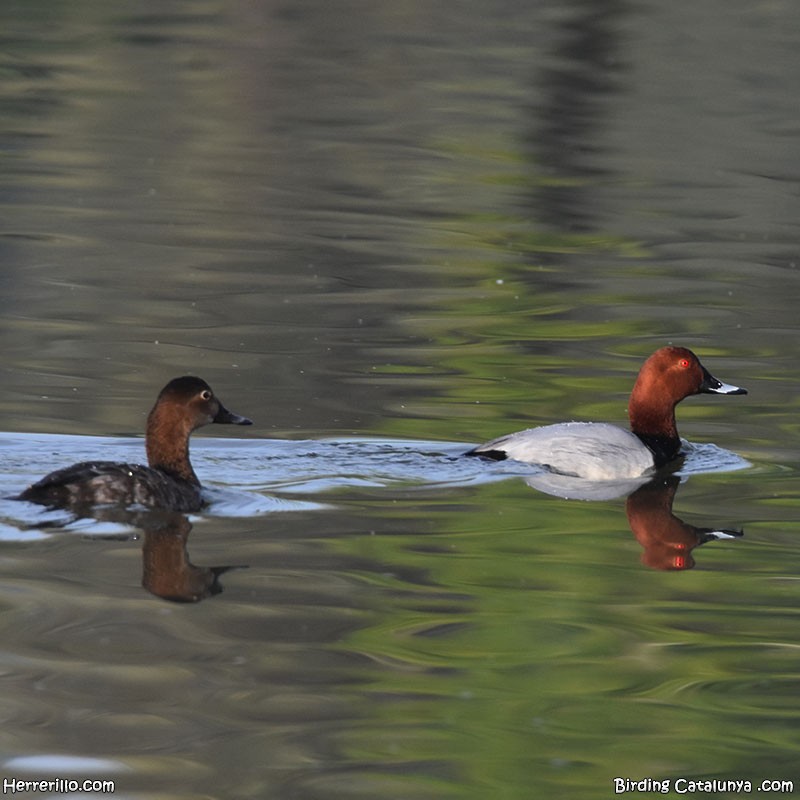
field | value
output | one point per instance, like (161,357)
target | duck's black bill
(225,417)
(711,385)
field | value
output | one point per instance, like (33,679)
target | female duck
(599,451)
(183,405)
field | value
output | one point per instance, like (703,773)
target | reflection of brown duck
(167,571)
(667,540)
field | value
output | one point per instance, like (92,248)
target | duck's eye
(684,362)
(206,395)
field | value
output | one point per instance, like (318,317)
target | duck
(168,481)
(601,451)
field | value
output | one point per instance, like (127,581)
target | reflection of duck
(169,481)
(166,569)
(598,451)
(667,540)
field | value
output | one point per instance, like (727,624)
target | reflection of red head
(667,541)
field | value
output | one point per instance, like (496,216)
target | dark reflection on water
(167,571)
(576,82)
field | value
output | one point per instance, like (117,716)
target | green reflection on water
(536,658)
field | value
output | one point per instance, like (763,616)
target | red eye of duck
(684,362)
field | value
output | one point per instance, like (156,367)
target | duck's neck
(652,419)
(167,444)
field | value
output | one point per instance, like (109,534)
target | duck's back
(593,450)
(93,483)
